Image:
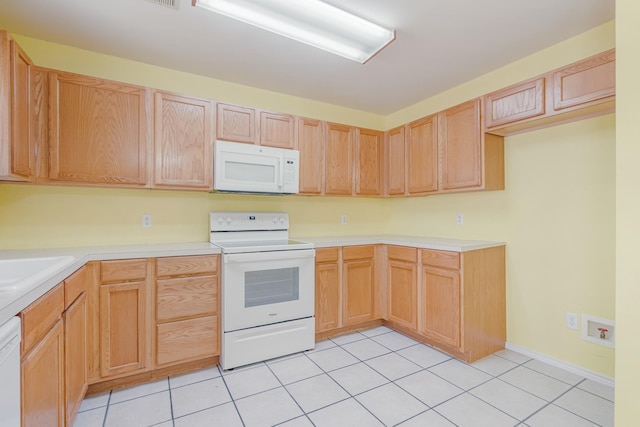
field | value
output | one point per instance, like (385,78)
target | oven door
(262,288)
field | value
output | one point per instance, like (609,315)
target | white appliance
(10,373)
(248,168)
(268,287)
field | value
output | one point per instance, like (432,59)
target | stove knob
(220,219)
(275,219)
(282,219)
(228,220)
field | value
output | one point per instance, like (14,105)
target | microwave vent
(173,4)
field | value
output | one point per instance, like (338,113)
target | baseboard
(594,376)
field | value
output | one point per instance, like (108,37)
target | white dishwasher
(10,373)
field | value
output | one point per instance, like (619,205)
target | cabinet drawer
(402,253)
(187,265)
(186,297)
(357,252)
(39,317)
(74,285)
(444,259)
(327,254)
(187,340)
(123,270)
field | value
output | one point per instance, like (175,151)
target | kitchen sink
(22,273)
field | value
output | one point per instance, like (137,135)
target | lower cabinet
(441,305)
(358,272)
(402,286)
(327,295)
(187,307)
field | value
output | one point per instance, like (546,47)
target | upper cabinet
(339,159)
(99,131)
(311,144)
(183,141)
(251,126)
(17,151)
(368,162)
(445,152)
(582,89)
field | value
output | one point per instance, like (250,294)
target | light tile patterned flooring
(376,377)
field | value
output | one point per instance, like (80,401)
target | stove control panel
(248,221)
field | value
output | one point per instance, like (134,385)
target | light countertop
(12,303)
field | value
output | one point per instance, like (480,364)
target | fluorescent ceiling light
(312,22)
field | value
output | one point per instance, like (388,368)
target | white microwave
(247,168)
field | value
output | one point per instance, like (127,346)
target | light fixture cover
(312,22)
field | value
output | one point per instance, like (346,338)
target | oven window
(266,287)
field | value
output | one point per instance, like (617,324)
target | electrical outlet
(146,221)
(344,218)
(572,321)
(459,219)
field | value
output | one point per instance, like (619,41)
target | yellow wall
(553,178)
(627,410)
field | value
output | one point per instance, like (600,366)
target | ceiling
(438,44)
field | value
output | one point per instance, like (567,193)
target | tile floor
(376,377)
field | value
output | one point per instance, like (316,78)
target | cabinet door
(75,337)
(585,81)
(277,130)
(442,305)
(311,145)
(402,291)
(461,146)
(42,372)
(236,123)
(339,159)
(98,131)
(422,156)
(519,102)
(182,140)
(395,161)
(17,152)
(327,297)
(357,284)
(368,168)
(122,328)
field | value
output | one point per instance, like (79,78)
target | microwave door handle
(280,171)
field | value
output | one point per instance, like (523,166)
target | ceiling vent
(173,4)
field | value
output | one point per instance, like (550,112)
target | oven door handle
(269,256)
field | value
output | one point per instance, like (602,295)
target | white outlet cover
(572,321)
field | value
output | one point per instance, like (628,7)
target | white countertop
(12,303)
(441,244)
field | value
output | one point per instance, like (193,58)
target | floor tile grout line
(231,396)
(173,421)
(106,411)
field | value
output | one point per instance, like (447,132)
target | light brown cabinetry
(358,272)
(277,130)
(402,286)
(99,131)
(422,156)
(236,123)
(311,144)
(42,361)
(123,317)
(463,301)
(441,290)
(339,159)
(17,150)
(75,341)
(583,89)
(187,307)
(183,138)
(327,289)
(395,161)
(368,166)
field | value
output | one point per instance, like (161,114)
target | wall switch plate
(572,321)
(459,219)
(146,221)
(343,219)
